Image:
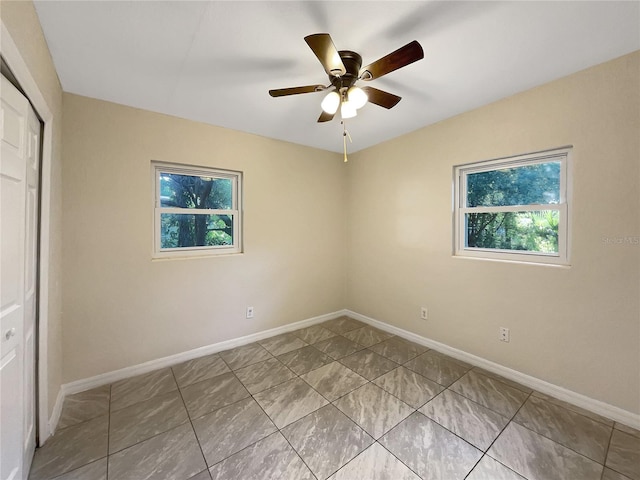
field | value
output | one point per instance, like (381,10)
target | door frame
(19,68)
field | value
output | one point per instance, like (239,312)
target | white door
(31,285)
(19,158)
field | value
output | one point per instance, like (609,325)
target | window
(514,208)
(197,211)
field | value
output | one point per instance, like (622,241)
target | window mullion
(511,208)
(196,211)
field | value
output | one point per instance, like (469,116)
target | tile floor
(339,400)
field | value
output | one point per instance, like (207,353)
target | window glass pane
(525,185)
(535,231)
(186,230)
(191,191)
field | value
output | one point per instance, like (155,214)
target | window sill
(198,256)
(517,262)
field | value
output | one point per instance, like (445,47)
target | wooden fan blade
(382,98)
(281,92)
(325,117)
(326,51)
(402,57)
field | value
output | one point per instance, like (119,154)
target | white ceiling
(215,61)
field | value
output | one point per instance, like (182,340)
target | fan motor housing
(352,63)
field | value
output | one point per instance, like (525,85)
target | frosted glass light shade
(331,102)
(357,97)
(347,110)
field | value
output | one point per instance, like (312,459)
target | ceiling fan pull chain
(344,142)
(345,134)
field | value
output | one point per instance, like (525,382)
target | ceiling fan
(344,68)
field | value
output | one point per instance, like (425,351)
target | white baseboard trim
(127,372)
(55,414)
(596,406)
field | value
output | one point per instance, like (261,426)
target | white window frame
(460,208)
(236,211)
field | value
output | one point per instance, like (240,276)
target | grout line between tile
(392,454)
(498,378)
(310,413)
(490,408)
(296,452)
(108,432)
(475,465)
(562,444)
(510,420)
(279,430)
(558,443)
(184,404)
(576,410)
(606,453)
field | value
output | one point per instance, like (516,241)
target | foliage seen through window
(186,191)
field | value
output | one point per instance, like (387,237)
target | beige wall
(576,327)
(22,23)
(123,308)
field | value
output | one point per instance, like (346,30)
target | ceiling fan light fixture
(347,110)
(357,97)
(331,102)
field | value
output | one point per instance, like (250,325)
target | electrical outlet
(249,312)
(424,313)
(503,334)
